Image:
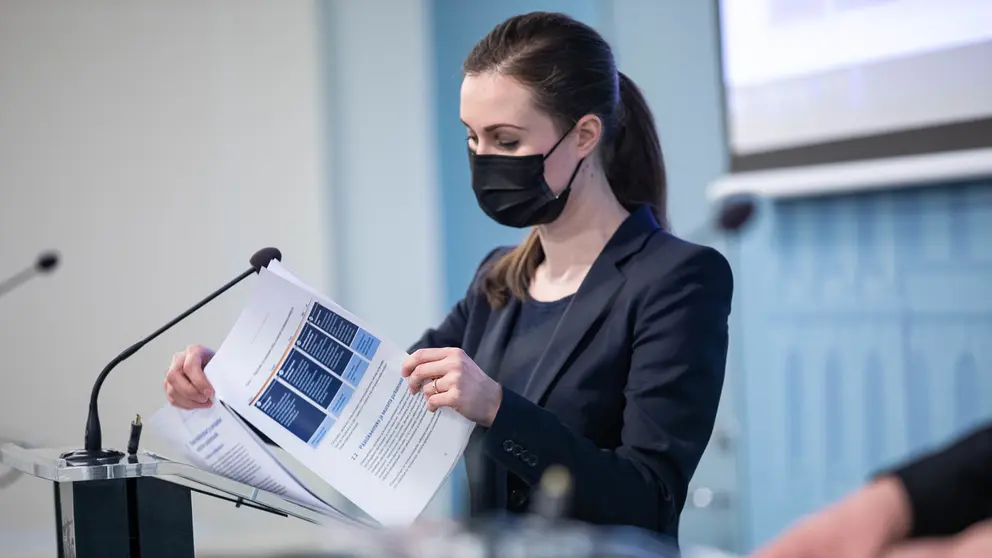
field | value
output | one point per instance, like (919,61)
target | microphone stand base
(92,457)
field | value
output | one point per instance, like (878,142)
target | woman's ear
(589,129)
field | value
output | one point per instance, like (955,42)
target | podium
(138,507)
(141,507)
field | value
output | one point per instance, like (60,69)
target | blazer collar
(630,237)
(583,314)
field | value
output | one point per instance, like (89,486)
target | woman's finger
(444,399)
(422,356)
(437,385)
(182,389)
(193,371)
(170,397)
(186,389)
(177,363)
(425,372)
(177,399)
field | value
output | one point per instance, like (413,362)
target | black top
(624,393)
(950,489)
(531,334)
(533,328)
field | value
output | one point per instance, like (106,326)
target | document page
(215,440)
(324,387)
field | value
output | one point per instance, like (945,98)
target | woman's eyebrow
(492,127)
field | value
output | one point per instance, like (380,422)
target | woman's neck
(575,239)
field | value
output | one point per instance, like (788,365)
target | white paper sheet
(320,384)
(215,440)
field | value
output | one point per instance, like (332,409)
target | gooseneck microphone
(93,452)
(46,263)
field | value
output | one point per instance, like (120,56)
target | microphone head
(262,258)
(735,215)
(47,262)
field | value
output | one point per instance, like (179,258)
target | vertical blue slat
(874,412)
(901,297)
(967,394)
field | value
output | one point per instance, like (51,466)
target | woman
(600,342)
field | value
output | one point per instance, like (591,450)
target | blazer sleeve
(673,389)
(449,333)
(451,330)
(950,489)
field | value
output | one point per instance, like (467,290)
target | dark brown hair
(571,72)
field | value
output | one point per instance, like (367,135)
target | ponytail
(636,168)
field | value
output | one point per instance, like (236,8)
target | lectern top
(47,464)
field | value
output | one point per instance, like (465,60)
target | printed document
(326,388)
(214,439)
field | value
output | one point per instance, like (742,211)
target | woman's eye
(509,144)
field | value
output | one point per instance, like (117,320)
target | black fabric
(950,489)
(533,330)
(624,394)
(512,191)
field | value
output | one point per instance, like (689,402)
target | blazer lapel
(589,306)
(581,318)
(489,355)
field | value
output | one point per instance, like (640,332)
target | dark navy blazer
(626,392)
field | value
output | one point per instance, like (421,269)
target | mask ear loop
(570,180)
(561,139)
(577,167)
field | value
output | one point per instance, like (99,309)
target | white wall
(156,145)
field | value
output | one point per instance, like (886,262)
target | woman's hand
(186,385)
(450,378)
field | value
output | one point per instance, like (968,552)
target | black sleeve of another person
(950,489)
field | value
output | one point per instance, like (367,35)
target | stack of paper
(327,389)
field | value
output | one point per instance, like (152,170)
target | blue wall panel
(867,320)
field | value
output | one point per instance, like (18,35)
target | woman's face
(501,119)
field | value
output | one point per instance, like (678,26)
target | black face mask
(512,190)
